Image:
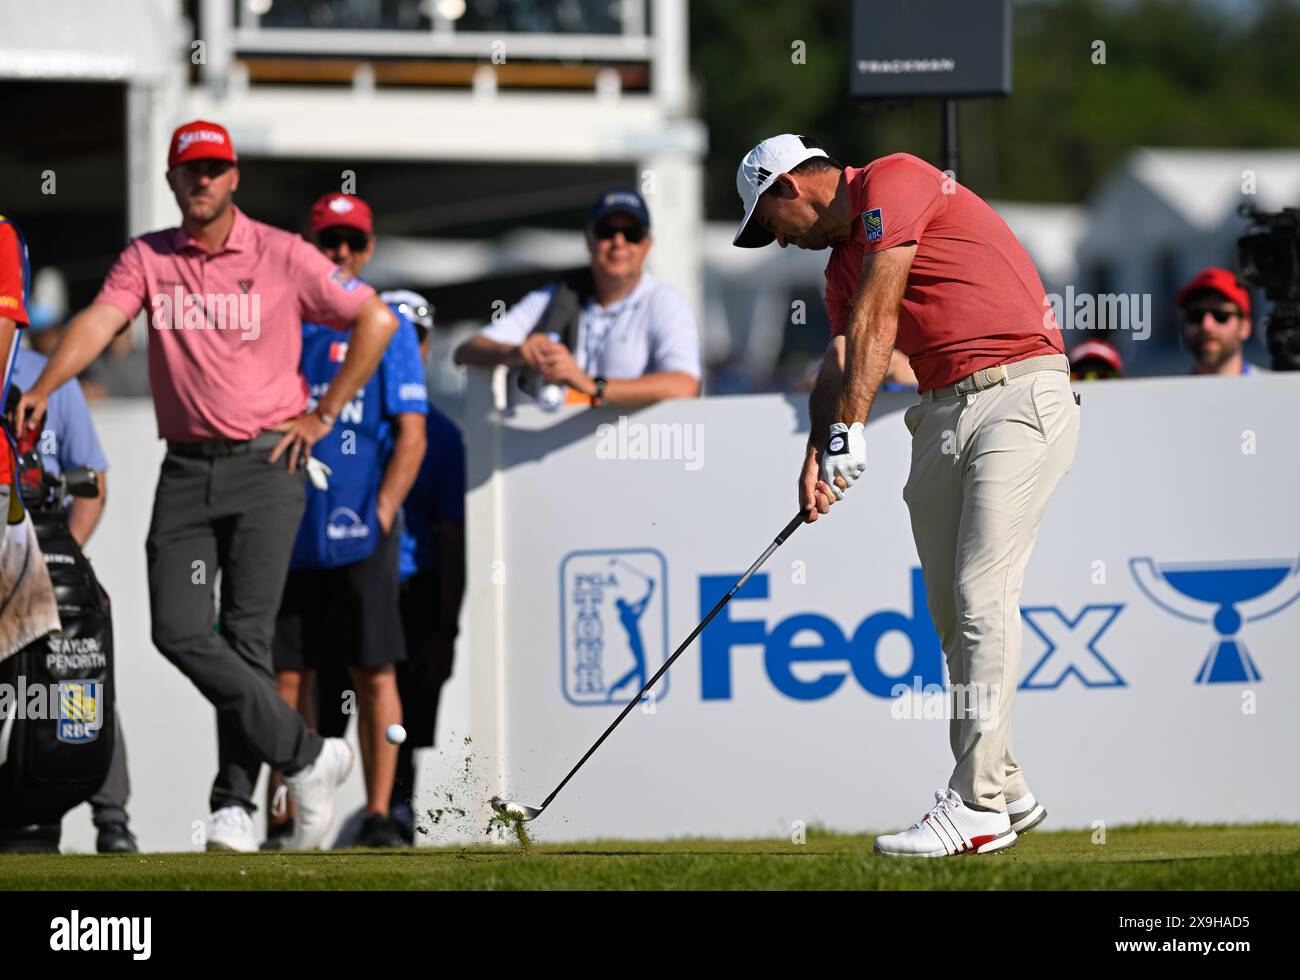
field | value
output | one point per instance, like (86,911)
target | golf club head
(512,808)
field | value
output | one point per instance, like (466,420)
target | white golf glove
(845,456)
(319,473)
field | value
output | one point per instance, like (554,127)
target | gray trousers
(238,513)
(109,803)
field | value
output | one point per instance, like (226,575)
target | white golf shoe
(951,827)
(1025,813)
(232,830)
(312,791)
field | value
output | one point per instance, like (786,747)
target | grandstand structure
(487,114)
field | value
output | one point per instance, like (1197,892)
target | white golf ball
(395,734)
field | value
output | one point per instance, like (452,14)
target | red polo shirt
(973,297)
(11,276)
(225,327)
(11,308)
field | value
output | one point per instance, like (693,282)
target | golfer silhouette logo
(613,624)
(629,617)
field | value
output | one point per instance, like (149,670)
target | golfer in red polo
(225,298)
(920,263)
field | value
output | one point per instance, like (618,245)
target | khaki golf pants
(984,466)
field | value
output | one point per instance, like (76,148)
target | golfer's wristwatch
(599,397)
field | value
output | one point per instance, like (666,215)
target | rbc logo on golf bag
(80,717)
(613,624)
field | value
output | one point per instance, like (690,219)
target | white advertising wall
(1160,667)
(1160,656)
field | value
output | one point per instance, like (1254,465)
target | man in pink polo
(920,263)
(225,297)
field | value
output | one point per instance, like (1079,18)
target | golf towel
(28,608)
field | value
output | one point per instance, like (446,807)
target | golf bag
(58,727)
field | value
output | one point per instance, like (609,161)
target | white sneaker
(313,793)
(232,830)
(951,827)
(1025,813)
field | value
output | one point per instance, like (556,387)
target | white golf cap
(758,171)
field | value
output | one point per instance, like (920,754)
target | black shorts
(348,615)
(429,662)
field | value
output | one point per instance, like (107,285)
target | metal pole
(948,144)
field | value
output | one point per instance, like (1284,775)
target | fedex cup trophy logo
(1225,594)
(613,624)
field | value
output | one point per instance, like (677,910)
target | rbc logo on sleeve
(874,224)
(613,624)
(80,711)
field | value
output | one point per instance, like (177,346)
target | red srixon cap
(341,210)
(200,140)
(1097,350)
(1221,281)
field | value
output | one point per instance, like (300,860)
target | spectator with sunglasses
(625,338)
(1216,322)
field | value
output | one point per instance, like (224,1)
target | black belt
(211,448)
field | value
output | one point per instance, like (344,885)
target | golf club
(522,811)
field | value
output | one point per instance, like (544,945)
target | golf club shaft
(779,540)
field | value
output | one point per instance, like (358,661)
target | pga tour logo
(613,624)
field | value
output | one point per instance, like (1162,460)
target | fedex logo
(832,655)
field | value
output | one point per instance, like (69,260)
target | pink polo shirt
(225,328)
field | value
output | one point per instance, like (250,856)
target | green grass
(1149,856)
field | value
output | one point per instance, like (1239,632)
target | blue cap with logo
(620,200)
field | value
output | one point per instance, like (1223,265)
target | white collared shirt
(648,331)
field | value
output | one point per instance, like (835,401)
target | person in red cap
(225,298)
(1216,322)
(339,626)
(1095,360)
(344,229)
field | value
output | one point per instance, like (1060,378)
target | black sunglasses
(605,231)
(356,241)
(1220,316)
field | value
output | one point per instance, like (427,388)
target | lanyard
(594,346)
